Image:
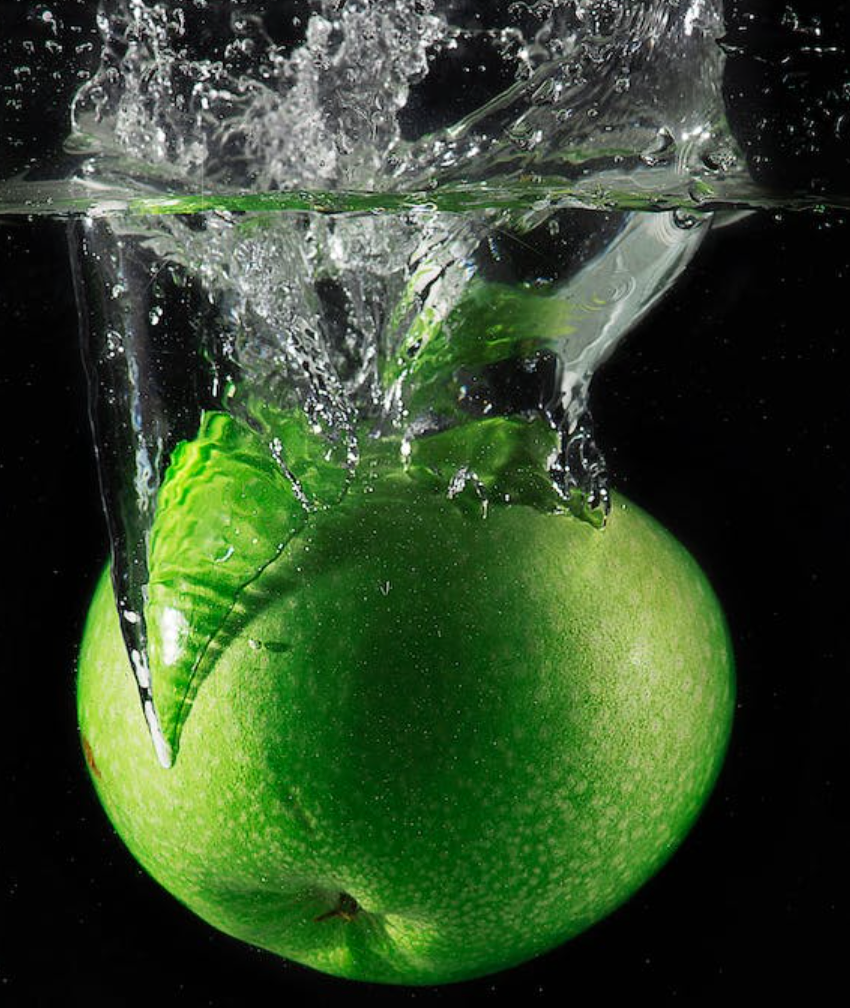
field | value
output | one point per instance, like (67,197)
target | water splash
(278,342)
(572,86)
(469,101)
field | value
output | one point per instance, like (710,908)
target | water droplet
(661,150)
(686,221)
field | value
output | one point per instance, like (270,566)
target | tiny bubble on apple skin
(442,780)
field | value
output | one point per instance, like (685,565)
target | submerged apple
(440,740)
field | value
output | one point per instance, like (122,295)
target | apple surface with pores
(439,743)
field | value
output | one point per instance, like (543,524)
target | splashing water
(304,229)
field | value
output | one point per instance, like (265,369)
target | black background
(725,415)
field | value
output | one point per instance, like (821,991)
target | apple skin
(443,744)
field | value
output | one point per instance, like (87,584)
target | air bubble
(661,150)
(686,221)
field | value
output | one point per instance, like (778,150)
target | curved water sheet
(249,367)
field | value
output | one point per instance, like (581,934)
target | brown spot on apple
(90,760)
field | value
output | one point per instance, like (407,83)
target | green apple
(440,739)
